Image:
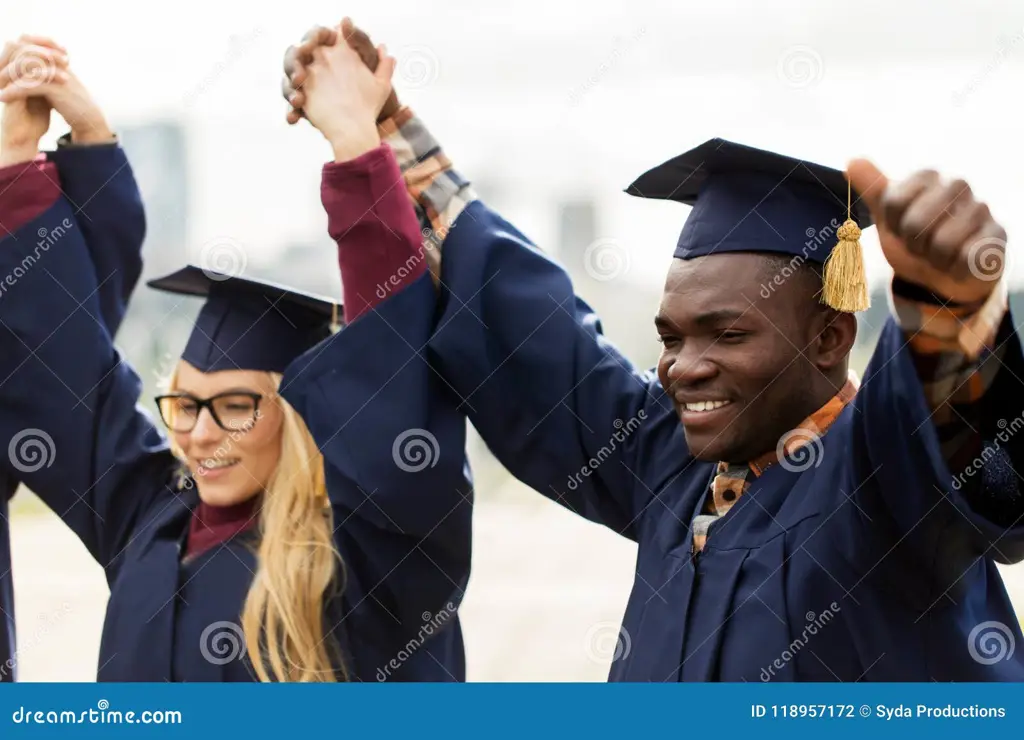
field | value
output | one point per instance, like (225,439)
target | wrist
(17,153)
(391,107)
(91,132)
(354,143)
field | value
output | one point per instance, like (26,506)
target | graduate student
(96,177)
(793,523)
(260,541)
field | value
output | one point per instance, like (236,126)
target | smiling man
(792,523)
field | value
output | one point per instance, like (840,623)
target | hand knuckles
(982,213)
(946,242)
(960,188)
(914,225)
(999,237)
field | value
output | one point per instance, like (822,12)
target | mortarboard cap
(751,200)
(248,324)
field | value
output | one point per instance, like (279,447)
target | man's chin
(704,447)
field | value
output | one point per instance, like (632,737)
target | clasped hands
(343,89)
(35,78)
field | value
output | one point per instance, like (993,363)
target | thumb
(870,183)
(386,65)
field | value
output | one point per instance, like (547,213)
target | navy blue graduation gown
(110,476)
(868,565)
(99,181)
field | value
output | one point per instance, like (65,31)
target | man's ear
(836,333)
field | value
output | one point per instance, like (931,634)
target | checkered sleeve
(438,192)
(957,357)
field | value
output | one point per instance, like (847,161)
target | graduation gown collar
(731,481)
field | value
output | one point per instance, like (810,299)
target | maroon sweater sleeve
(26,191)
(371,218)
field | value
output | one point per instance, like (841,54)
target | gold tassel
(846,283)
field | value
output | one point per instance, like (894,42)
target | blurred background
(551,109)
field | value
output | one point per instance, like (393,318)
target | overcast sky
(550,100)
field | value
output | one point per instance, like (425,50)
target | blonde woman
(263,541)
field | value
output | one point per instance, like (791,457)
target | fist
(297,60)
(934,232)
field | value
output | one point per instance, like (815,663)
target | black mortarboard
(751,200)
(248,324)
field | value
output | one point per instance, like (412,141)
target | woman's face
(234,464)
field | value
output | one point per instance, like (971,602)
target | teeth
(211,464)
(705,405)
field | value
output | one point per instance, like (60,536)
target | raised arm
(67,401)
(398,480)
(942,399)
(97,178)
(516,349)
(94,174)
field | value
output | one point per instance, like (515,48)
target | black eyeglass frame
(207,403)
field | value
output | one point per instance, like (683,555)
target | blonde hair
(297,563)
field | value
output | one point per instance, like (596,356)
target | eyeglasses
(233,411)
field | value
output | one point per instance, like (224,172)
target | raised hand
(38,68)
(344,98)
(933,232)
(298,58)
(26,121)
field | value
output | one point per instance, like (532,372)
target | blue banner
(506,710)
